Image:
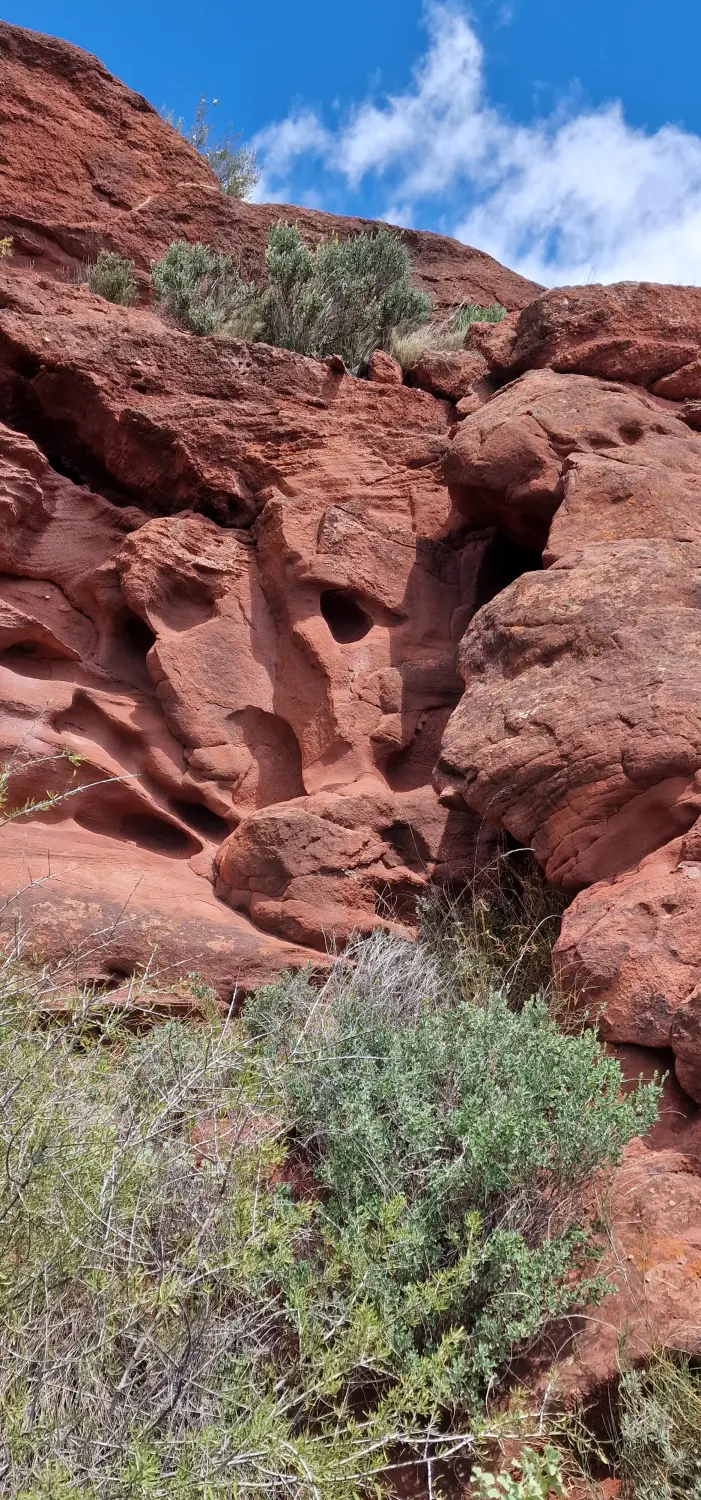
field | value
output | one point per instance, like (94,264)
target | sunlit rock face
(231,583)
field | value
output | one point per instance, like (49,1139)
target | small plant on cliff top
(6,247)
(112,276)
(234,165)
(251,1256)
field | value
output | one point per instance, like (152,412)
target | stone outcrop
(579,728)
(231,581)
(233,585)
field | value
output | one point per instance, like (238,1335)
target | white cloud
(279,146)
(572,198)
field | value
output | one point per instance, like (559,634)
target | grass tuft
(446,334)
(112,276)
(659,1440)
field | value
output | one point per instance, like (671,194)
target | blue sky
(564,136)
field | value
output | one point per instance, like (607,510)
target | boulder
(384,370)
(633,331)
(652,1207)
(331,863)
(557,461)
(450,373)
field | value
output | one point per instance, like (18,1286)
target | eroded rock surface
(89,165)
(232,584)
(578,730)
(232,587)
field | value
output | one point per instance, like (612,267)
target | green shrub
(112,276)
(449,333)
(452,1141)
(473,312)
(659,1443)
(342,299)
(346,298)
(539,1478)
(235,166)
(179,1319)
(203,292)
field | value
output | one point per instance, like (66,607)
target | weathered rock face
(230,579)
(579,731)
(633,331)
(232,587)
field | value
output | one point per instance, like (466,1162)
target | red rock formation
(579,728)
(231,583)
(232,588)
(248,594)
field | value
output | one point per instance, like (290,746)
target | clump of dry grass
(442,334)
(500,930)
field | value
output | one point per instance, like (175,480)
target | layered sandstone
(255,600)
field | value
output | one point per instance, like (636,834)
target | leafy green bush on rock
(346,297)
(342,298)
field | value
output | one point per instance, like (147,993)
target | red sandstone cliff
(236,580)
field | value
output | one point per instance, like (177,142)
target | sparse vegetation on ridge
(346,297)
(343,298)
(449,333)
(203,292)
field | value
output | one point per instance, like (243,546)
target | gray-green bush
(345,297)
(234,165)
(342,298)
(203,292)
(659,1440)
(112,276)
(250,1256)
